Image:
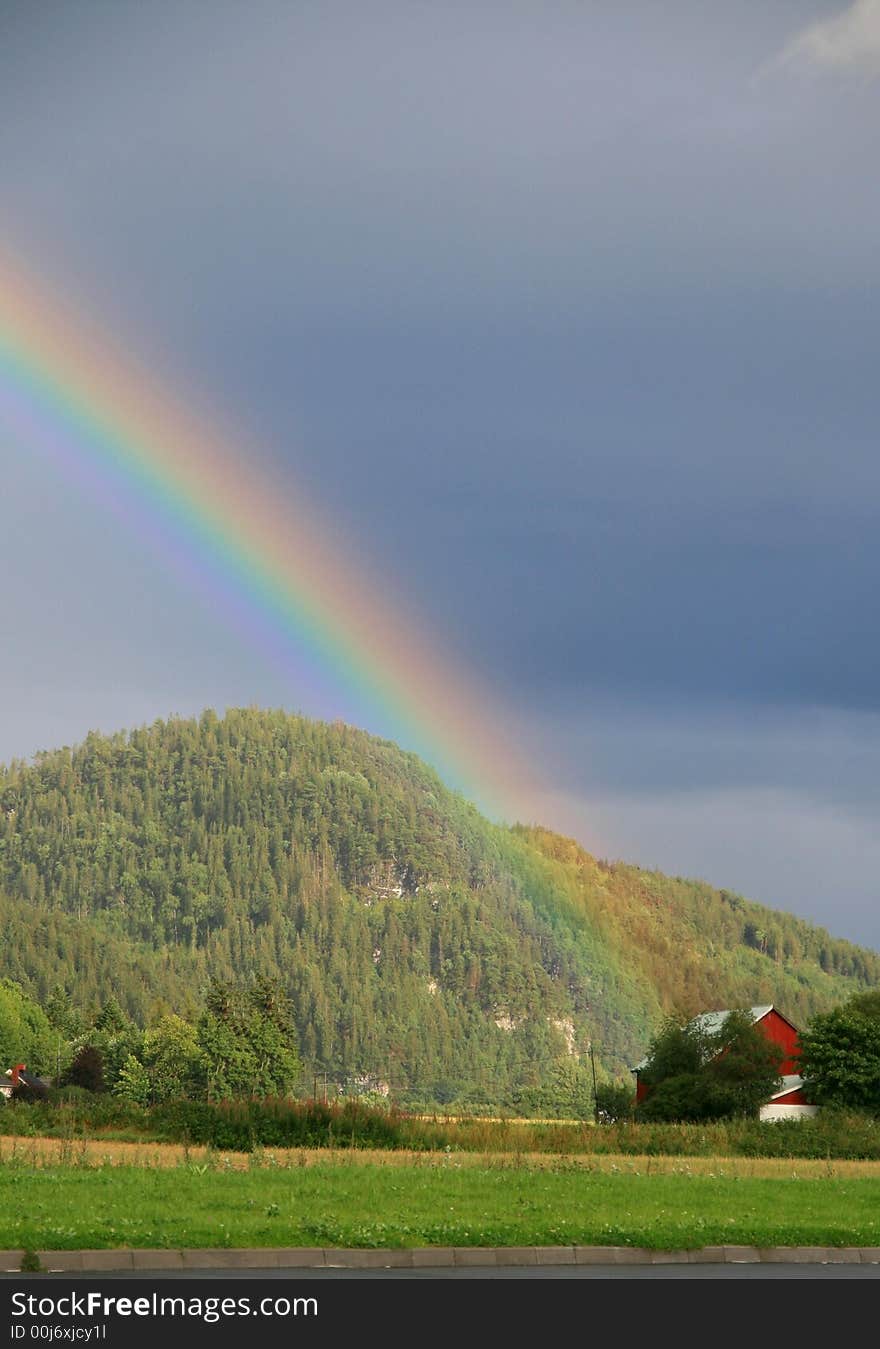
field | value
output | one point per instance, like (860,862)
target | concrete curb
(305,1258)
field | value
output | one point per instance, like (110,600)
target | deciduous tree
(840,1055)
(698,1072)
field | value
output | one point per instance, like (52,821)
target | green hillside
(420,943)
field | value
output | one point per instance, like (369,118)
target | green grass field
(69,1207)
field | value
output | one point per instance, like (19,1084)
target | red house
(787,1103)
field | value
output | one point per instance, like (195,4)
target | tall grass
(243,1125)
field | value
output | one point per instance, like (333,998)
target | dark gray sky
(567,315)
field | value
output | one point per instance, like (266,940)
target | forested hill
(419,942)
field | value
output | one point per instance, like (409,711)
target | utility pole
(595,1097)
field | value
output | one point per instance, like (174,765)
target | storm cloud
(569,319)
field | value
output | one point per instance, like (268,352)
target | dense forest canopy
(419,944)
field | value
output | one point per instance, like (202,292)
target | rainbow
(259,553)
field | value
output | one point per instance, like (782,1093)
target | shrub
(70,1095)
(241,1125)
(87,1070)
(840,1055)
(614,1101)
(700,1072)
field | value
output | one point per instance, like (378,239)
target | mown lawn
(345,1205)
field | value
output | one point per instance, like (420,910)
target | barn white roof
(793,1082)
(710,1022)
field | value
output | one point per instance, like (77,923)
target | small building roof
(32,1080)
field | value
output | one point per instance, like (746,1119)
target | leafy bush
(87,1070)
(74,1110)
(71,1095)
(840,1058)
(240,1125)
(614,1101)
(698,1072)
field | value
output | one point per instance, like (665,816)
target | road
(744,1271)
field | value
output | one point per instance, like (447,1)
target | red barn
(787,1103)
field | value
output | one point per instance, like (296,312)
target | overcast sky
(568,315)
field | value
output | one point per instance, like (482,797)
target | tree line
(417,943)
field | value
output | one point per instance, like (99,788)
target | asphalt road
(752,1272)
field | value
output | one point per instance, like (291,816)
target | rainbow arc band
(259,552)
